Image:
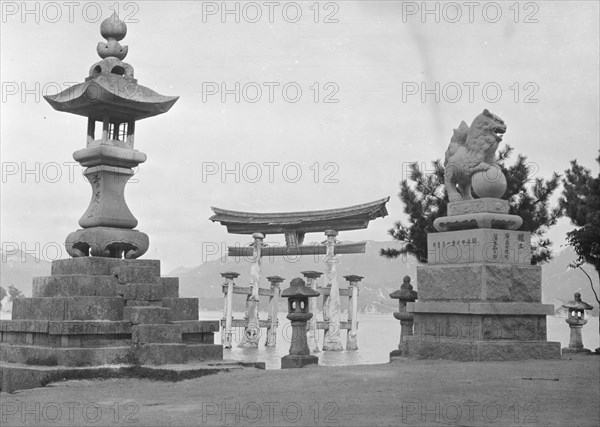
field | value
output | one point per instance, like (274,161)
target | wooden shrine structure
(295,225)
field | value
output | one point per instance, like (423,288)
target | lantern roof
(230,274)
(298,288)
(577,304)
(111,87)
(405,292)
(311,274)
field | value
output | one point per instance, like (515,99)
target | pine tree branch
(591,283)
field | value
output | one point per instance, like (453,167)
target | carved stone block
(480,281)
(479,245)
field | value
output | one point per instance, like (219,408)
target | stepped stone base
(104,311)
(166,353)
(575,350)
(480,327)
(69,308)
(478,297)
(480,350)
(396,354)
(14,376)
(298,361)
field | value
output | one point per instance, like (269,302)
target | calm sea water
(377,335)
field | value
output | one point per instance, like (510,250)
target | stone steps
(141,291)
(69,285)
(145,315)
(148,334)
(181,309)
(136,274)
(102,311)
(482,351)
(99,266)
(16,376)
(69,308)
(135,354)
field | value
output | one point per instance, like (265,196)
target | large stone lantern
(576,320)
(298,313)
(113,102)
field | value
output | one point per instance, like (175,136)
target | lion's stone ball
(489,183)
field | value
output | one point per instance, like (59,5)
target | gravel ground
(408,392)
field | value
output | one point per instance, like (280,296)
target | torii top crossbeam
(349,218)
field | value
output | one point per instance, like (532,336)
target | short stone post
(333,338)
(298,294)
(576,319)
(404,295)
(227,329)
(273,309)
(252,332)
(313,336)
(351,343)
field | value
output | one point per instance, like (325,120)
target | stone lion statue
(472,149)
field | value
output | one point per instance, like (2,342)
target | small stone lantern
(576,320)
(298,313)
(404,295)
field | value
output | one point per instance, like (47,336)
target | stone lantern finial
(113,30)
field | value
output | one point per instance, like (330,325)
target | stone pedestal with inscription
(479,295)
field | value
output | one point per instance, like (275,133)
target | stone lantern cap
(230,274)
(275,279)
(577,304)
(311,274)
(298,288)
(353,278)
(405,292)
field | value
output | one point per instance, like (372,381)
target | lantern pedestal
(407,320)
(298,361)
(576,342)
(299,352)
(298,294)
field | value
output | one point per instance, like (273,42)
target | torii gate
(294,225)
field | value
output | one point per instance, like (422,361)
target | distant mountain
(382,276)
(19,268)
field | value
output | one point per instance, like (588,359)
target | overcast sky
(535,64)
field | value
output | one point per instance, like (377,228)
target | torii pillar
(274,281)
(351,342)
(252,332)
(226,329)
(333,338)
